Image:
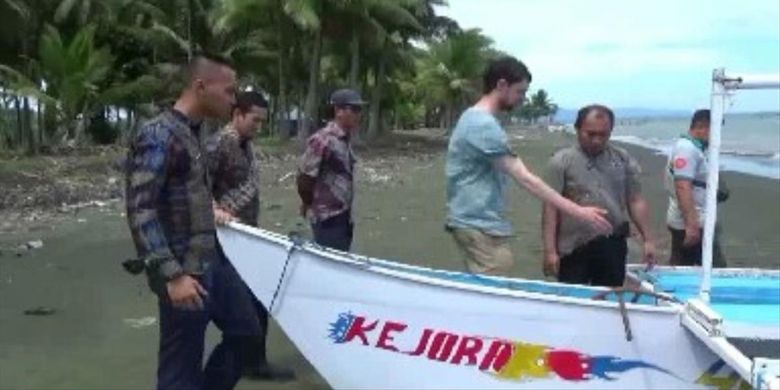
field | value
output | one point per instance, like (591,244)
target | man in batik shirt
(326,173)
(235,182)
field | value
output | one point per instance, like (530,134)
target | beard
(504,105)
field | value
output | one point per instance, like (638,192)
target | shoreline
(750,219)
(763,165)
(96,309)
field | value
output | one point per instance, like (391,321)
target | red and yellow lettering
(359,330)
(422,344)
(469,347)
(385,338)
(497,355)
(442,346)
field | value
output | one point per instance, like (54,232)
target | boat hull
(365,323)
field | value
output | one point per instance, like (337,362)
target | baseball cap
(346,97)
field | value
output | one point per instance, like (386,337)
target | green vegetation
(82,71)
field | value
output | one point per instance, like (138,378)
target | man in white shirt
(686,183)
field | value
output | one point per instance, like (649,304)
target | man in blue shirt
(479,165)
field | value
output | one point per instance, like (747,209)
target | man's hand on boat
(186,293)
(649,254)
(222,216)
(692,235)
(551,264)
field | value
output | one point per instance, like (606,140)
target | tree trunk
(189,30)
(375,118)
(282,107)
(448,117)
(40,122)
(354,49)
(19,122)
(311,116)
(28,126)
(129,127)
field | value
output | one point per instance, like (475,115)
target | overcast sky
(629,53)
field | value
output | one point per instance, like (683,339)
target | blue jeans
(182,334)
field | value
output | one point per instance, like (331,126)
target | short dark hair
(198,60)
(248,99)
(583,113)
(700,117)
(509,69)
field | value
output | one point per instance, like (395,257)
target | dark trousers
(335,232)
(254,348)
(182,334)
(692,255)
(600,262)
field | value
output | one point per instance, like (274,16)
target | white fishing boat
(370,323)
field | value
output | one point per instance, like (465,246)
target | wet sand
(90,342)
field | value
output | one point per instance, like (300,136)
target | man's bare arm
(518,171)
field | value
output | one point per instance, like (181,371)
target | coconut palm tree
(450,71)
(71,72)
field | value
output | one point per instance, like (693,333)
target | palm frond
(303,13)
(19,7)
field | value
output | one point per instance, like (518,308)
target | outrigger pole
(722,86)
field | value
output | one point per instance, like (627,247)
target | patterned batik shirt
(329,160)
(235,175)
(169,205)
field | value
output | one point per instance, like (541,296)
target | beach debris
(21,249)
(138,323)
(65,208)
(112,180)
(36,244)
(285,177)
(81,220)
(40,311)
(403,219)
(375,177)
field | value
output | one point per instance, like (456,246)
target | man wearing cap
(686,183)
(325,176)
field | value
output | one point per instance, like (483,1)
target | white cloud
(602,40)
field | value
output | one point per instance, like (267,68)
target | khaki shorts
(485,253)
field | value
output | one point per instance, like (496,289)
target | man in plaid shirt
(171,218)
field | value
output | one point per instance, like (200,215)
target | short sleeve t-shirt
(687,161)
(475,184)
(608,180)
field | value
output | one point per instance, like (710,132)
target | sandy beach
(100,330)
